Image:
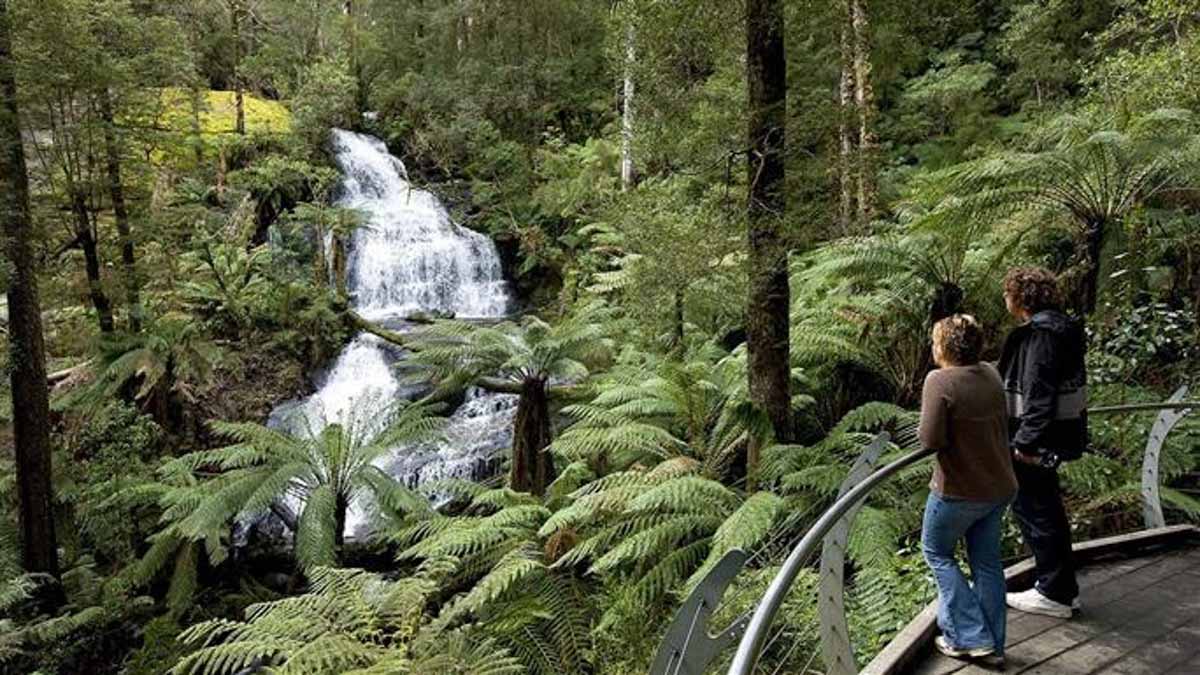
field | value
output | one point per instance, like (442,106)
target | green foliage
(324,100)
(266,469)
(161,369)
(456,353)
(351,621)
(645,413)
(111,456)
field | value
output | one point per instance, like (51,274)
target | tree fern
(203,493)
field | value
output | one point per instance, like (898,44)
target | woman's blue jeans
(969,616)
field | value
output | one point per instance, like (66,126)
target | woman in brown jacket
(964,418)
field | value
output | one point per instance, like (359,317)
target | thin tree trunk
(27,357)
(846,215)
(864,100)
(532,467)
(679,327)
(121,212)
(197,96)
(767,329)
(356,68)
(235,12)
(86,239)
(627,168)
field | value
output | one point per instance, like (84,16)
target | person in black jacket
(1045,383)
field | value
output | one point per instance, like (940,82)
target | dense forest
(467,336)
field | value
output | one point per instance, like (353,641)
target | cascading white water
(407,256)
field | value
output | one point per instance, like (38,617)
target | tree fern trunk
(1093,248)
(116,192)
(532,467)
(767,312)
(27,356)
(341,506)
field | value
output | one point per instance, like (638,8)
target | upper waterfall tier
(408,255)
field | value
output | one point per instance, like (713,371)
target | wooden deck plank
(1141,615)
(1159,656)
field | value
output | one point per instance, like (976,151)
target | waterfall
(406,256)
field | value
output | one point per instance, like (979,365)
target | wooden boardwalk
(1140,615)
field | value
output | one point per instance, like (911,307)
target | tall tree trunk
(767,337)
(356,67)
(86,238)
(864,100)
(120,212)
(846,172)
(627,110)
(532,467)
(235,14)
(27,357)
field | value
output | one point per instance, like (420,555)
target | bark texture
(864,100)
(846,141)
(30,397)
(767,329)
(532,467)
(627,94)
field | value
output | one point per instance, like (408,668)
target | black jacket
(1045,383)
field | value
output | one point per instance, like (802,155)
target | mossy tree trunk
(767,312)
(864,100)
(27,357)
(532,467)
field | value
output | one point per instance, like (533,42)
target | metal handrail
(751,643)
(756,632)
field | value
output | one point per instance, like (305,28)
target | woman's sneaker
(1033,602)
(943,645)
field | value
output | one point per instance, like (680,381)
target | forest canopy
(470,335)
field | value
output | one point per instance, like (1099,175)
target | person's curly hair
(959,339)
(1033,289)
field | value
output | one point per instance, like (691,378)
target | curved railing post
(687,648)
(836,649)
(1152,512)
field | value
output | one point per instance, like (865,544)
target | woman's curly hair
(1033,289)
(959,339)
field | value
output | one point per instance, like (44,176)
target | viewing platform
(1141,614)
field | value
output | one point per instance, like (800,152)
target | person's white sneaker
(953,652)
(1033,602)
